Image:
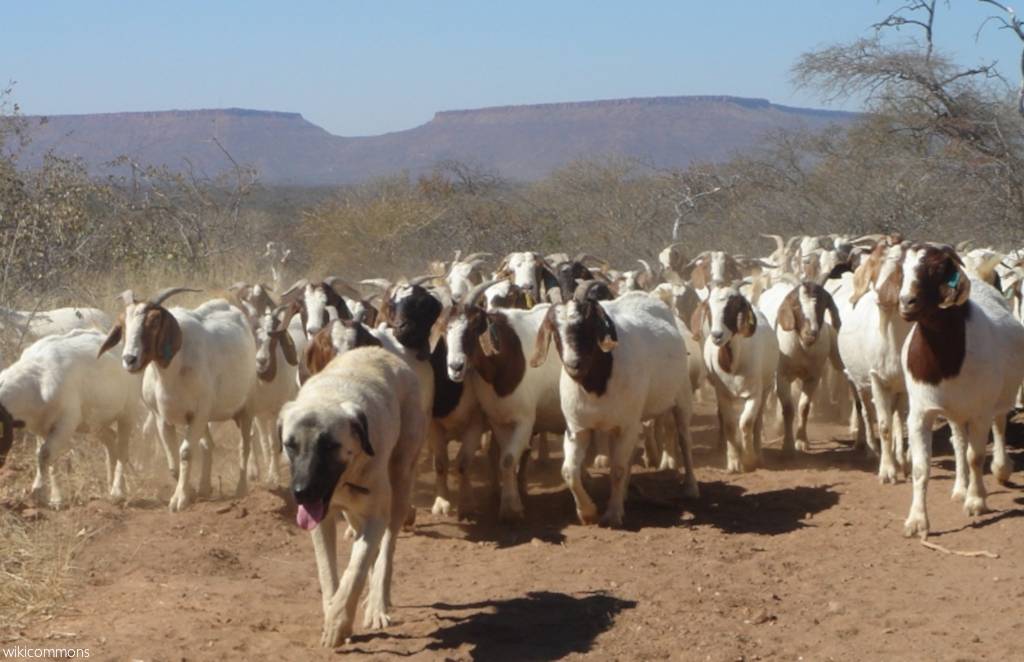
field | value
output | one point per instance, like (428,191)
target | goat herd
(350,385)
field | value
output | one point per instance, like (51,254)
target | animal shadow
(540,626)
(732,509)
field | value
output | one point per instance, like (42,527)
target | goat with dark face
(624,361)
(963,360)
(413,313)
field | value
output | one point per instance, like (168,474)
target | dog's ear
(361,429)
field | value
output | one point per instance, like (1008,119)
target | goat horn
(419,280)
(297,286)
(165,294)
(473,257)
(582,258)
(647,267)
(780,244)
(382,283)
(868,239)
(343,288)
(478,290)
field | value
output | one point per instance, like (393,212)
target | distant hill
(521,142)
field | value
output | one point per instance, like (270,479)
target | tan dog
(353,435)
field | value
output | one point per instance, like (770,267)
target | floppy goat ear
(288,347)
(955,290)
(609,338)
(547,327)
(168,339)
(489,342)
(746,320)
(114,337)
(361,429)
(697,320)
(788,312)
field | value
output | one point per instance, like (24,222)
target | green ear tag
(954,280)
(166,351)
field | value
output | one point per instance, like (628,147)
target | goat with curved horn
(478,290)
(343,288)
(295,290)
(780,243)
(477,257)
(381,283)
(165,294)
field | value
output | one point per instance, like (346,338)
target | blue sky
(361,68)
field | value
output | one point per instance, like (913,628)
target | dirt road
(800,560)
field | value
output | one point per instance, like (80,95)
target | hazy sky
(360,68)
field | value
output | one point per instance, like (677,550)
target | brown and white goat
(964,360)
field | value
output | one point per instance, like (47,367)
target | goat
(741,354)
(623,361)
(352,437)
(806,343)
(964,360)
(57,387)
(278,346)
(531,272)
(199,368)
(869,346)
(517,400)
(463,273)
(32,325)
(319,301)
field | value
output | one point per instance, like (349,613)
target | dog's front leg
(342,610)
(325,548)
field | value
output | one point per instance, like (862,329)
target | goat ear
(168,340)
(697,320)
(788,313)
(746,321)
(540,351)
(288,347)
(489,339)
(319,351)
(699,275)
(956,290)
(609,338)
(865,275)
(114,337)
(361,429)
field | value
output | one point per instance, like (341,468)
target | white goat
(200,367)
(59,387)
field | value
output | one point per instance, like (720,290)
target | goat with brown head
(484,340)
(150,332)
(803,310)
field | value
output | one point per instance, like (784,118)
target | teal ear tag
(166,351)
(954,280)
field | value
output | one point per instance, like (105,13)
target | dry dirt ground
(800,560)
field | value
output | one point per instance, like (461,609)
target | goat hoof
(376,619)
(1002,472)
(975,505)
(442,507)
(959,493)
(601,462)
(916,525)
(803,446)
(691,490)
(179,502)
(612,520)
(887,475)
(511,515)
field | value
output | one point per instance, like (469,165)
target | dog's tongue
(309,515)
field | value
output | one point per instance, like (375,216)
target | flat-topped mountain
(521,142)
